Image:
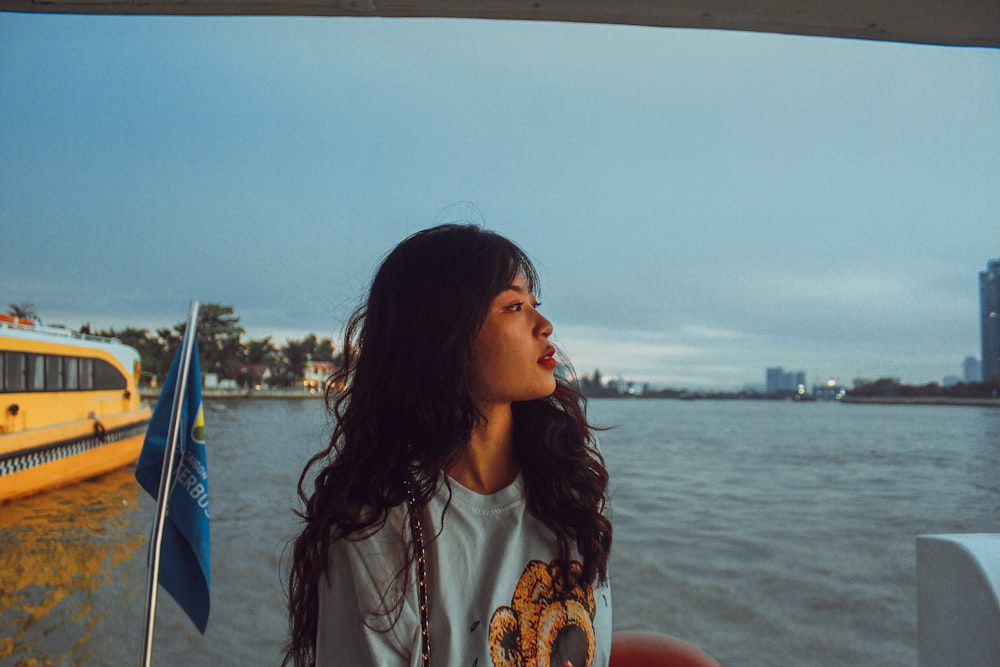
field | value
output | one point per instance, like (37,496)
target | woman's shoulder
(375,551)
(373,524)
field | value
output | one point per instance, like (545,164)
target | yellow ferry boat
(70,406)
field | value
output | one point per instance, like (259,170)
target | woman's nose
(544,327)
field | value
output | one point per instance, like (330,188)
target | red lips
(548,359)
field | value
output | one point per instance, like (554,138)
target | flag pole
(152,580)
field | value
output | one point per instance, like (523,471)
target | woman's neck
(488,463)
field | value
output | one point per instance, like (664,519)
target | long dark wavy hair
(404,412)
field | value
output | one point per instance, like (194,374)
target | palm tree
(24,311)
(260,351)
(218,338)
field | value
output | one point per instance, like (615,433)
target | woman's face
(511,356)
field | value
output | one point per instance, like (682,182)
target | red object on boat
(10,319)
(652,649)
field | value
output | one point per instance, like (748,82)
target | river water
(767,533)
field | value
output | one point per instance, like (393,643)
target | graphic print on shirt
(545,625)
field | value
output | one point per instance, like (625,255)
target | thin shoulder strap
(418,542)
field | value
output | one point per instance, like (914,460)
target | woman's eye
(519,306)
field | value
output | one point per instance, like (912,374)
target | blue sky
(702,205)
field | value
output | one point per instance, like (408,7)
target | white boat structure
(958,575)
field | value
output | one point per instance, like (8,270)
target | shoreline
(237,394)
(922,400)
(298,394)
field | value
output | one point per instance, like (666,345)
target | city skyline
(701,205)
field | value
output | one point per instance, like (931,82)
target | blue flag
(184,559)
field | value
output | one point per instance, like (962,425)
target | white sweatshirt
(490,578)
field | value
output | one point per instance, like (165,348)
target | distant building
(989,309)
(829,390)
(779,380)
(316,374)
(615,383)
(972,370)
(252,375)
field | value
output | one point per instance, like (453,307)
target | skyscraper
(972,370)
(779,380)
(989,306)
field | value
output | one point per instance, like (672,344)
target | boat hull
(44,458)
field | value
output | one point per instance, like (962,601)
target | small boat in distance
(69,406)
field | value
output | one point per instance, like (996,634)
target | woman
(457,513)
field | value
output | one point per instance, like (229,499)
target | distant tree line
(222,350)
(893,388)
(595,386)
(598,386)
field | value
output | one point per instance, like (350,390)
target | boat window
(50,372)
(107,376)
(53,373)
(36,372)
(86,374)
(71,367)
(13,371)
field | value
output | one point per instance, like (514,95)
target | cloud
(702,205)
(688,355)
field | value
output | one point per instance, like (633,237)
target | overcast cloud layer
(702,205)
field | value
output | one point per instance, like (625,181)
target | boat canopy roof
(948,22)
(63,339)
